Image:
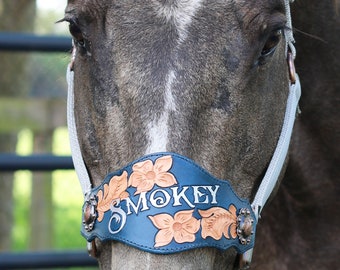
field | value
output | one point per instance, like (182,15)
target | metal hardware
(291,67)
(89,212)
(245,226)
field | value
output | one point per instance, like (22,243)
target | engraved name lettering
(159,198)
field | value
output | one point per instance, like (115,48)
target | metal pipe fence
(19,42)
(41,162)
(23,42)
(46,259)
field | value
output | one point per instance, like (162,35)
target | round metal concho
(89,212)
(244,226)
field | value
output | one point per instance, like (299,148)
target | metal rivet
(245,226)
(89,212)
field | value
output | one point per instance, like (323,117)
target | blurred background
(39,210)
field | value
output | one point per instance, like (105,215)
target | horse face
(205,79)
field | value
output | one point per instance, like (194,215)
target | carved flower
(182,227)
(146,174)
(217,221)
(116,189)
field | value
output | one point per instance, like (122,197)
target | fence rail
(42,162)
(46,259)
(21,42)
(24,42)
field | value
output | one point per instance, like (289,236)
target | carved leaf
(218,221)
(116,189)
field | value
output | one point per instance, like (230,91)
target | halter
(266,187)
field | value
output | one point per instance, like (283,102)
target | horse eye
(76,33)
(271,43)
(79,38)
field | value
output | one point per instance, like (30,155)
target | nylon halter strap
(272,174)
(275,166)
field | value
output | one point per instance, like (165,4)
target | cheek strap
(77,157)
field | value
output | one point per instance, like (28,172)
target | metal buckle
(291,67)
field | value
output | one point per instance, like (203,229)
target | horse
(206,80)
(297,222)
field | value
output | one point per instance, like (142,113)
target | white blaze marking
(180,13)
(158,129)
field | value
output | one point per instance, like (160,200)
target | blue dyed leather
(201,192)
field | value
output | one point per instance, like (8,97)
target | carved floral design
(182,227)
(215,222)
(116,189)
(218,221)
(146,174)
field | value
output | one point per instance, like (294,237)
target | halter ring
(291,67)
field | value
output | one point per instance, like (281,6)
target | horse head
(207,80)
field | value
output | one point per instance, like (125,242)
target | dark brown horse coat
(122,99)
(300,229)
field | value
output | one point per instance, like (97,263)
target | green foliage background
(48,81)
(67,199)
